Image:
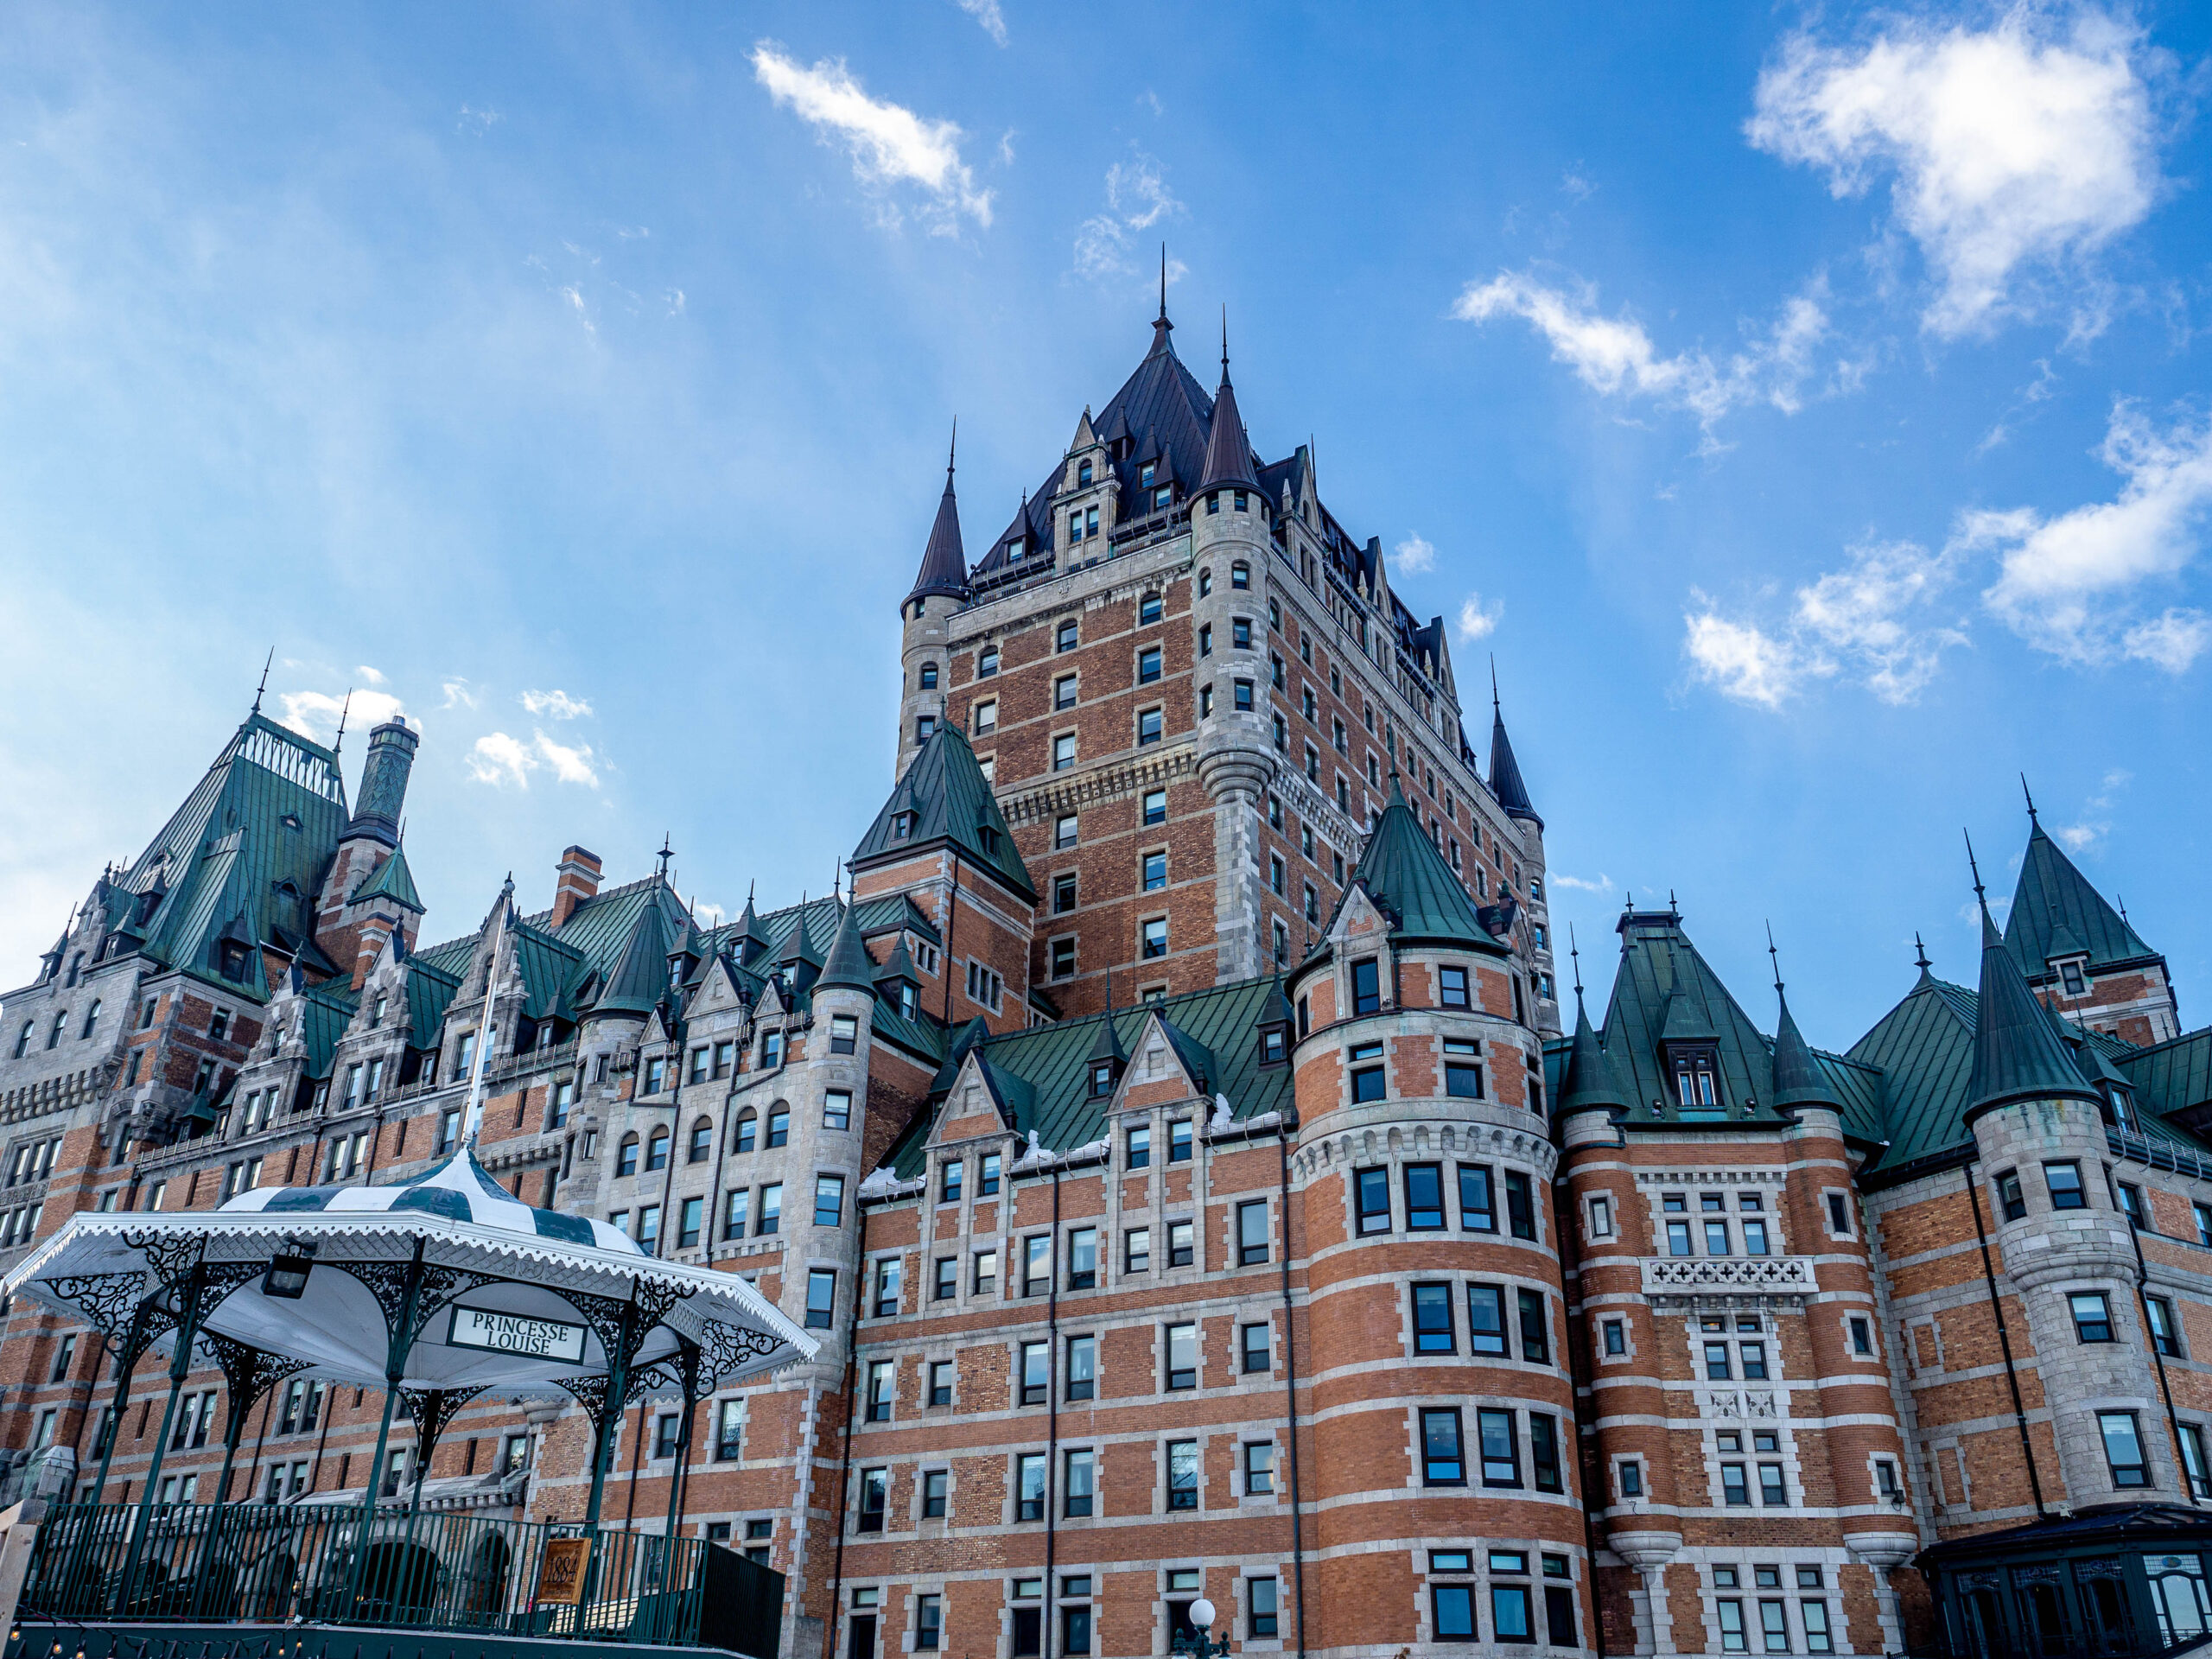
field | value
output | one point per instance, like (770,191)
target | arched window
(625,1161)
(656,1150)
(92,1019)
(702,1140)
(60,1025)
(746,1124)
(927,680)
(1240,575)
(23,1037)
(779,1123)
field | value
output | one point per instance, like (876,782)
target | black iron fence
(265,1564)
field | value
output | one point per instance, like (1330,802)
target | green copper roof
(430,992)
(1587,1082)
(1798,1078)
(639,977)
(391,880)
(2173,1076)
(1212,1031)
(2054,907)
(849,966)
(944,797)
(328,1010)
(1409,880)
(2017,1054)
(1663,985)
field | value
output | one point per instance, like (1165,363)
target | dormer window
(1082,474)
(1697,1084)
(2069,974)
(988,839)
(1145,473)
(1163,496)
(233,964)
(1102,1080)
(902,825)
(1015,547)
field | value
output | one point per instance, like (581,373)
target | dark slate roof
(950,801)
(2017,1053)
(1229,453)
(1660,972)
(1213,1029)
(245,854)
(1505,772)
(2054,906)
(391,880)
(944,564)
(847,966)
(1408,879)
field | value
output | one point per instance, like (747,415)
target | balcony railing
(1676,1278)
(256,1564)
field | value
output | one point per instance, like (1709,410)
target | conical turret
(1229,453)
(1504,770)
(848,967)
(2017,1055)
(1798,1079)
(944,564)
(1591,1084)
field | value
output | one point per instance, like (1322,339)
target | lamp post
(1196,1645)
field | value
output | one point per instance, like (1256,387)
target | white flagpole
(473,1119)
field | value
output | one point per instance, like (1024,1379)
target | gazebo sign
(516,1333)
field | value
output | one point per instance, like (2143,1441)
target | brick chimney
(576,879)
(374,932)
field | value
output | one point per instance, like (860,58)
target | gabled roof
(2055,910)
(391,880)
(1408,881)
(1665,990)
(1211,1032)
(944,797)
(2018,1055)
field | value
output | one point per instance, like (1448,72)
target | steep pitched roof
(849,966)
(1798,1078)
(391,880)
(1229,453)
(945,797)
(1665,990)
(1588,1084)
(2054,907)
(944,563)
(638,976)
(1505,772)
(2017,1053)
(1409,881)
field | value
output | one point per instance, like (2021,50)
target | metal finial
(1774,957)
(1574,951)
(1496,707)
(263,686)
(2122,903)
(344,710)
(1920,953)
(666,851)
(1224,340)
(1163,282)
(837,880)
(952,449)
(1978,893)
(2032,799)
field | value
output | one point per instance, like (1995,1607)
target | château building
(1180,1143)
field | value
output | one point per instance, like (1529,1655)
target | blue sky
(1809,408)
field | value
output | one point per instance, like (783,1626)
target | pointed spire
(2032,820)
(666,851)
(1107,1050)
(1920,957)
(1160,327)
(2018,1056)
(1229,452)
(344,710)
(1590,1083)
(263,686)
(1798,1080)
(944,563)
(1504,770)
(848,967)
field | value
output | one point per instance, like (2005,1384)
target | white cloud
(369,674)
(458,694)
(1137,198)
(1414,555)
(1603,884)
(1576,183)
(504,761)
(2062,582)
(558,704)
(1479,621)
(1744,661)
(2031,140)
(1865,621)
(316,714)
(2095,822)
(1615,356)
(477,122)
(987,13)
(888,145)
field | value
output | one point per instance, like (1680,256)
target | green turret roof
(2055,910)
(899,964)
(1409,881)
(849,966)
(1665,991)
(639,975)
(944,797)
(2017,1054)
(1798,1078)
(391,880)
(1589,1084)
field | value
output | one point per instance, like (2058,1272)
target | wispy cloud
(372,676)
(2064,583)
(459,694)
(2029,141)
(1414,555)
(315,714)
(508,762)
(558,704)
(476,121)
(889,145)
(2095,823)
(1137,198)
(1615,356)
(1479,621)
(987,13)
(1603,884)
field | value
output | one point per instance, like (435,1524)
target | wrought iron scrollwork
(387,1282)
(432,1412)
(107,1301)
(722,1348)
(250,1372)
(604,1315)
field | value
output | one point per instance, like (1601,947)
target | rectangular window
(729,1432)
(1432,1331)
(2092,1316)
(1075,1632)
(1147,665)
(940,1382)
(1754,1355)
(1136,1250)
(1486,1320)
(1815,1616)
(1478,1206)
(1083,1258)
(1155,807)
(1735,1485)
(1373,1187)
(689,1219)
(1148,727)
(889,1271)
(928,1623)
(934,1484)
(1536,1328)
(1064,832)
(2193,1463)
(1251,1232)
(1182,1355)
(1463,1074)
(1260,1620)
(1443,1463)
(1773,1492)
(1178,1140)
(1451,1611)
(1520,1204)
(1558,1614)
(1182,1474)
(1754,1236)
(1076,1482)
(1501,1449)
(1366,987)
(876,1489)
(2064,1180)
(1452,987)
(1543,1453)
(735,1209)
(2123,1449)
(1083,1368)
(1614,1334)
(1510,1613)
(1139,1145)
(1036,1265)
(1424,1198)
(1181,1242)
(1064,751)
(986,1185)
(1253,1346)
(880,1378)
(821,1298)
(829,1200)
(1153,937)
(1036,1373)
